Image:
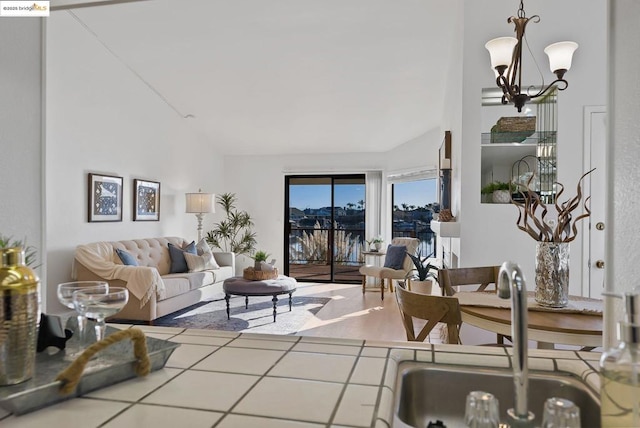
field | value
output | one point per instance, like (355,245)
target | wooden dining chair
(481,277)
(433,309)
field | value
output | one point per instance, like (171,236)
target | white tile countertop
(224,379)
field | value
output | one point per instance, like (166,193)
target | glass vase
(18,317)
(552,274)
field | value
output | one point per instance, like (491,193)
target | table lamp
(200,204)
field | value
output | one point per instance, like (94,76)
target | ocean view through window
(414,203)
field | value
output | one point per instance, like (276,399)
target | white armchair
(389,274)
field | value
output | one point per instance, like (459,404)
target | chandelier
(506,61)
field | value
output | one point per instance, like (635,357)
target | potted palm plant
(423,275)
(234,233)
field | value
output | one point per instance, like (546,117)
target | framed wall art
(146,200)
(105,198)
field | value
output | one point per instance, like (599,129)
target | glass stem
(101,328)
(82,327)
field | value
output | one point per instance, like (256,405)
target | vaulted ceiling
(287,76)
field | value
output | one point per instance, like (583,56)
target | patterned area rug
(257,319)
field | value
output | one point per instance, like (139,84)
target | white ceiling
(288,76)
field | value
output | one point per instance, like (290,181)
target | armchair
(390,273)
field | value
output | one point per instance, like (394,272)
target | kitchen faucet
(511,284)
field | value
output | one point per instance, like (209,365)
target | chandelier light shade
(200,204)
(506,61)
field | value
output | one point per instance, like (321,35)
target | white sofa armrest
(225,258)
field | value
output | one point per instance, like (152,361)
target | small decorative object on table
(259,275)
(375,244)
(260,257)
(553,237)
(18,314)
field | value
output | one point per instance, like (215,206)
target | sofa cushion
(199,263)
(395,256)
(175,285)
(178,262)
(126,257)
(203,248)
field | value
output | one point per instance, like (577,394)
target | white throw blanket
(142,281)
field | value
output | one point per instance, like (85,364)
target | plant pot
(501,197)
(377,245)
(257,266)
(422,287)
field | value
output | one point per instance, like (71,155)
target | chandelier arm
(543,91)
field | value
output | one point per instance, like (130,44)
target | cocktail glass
(100,304)
(65,297)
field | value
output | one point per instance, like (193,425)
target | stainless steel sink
(426,392)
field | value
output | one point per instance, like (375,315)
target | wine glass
(99,304)
(65,297)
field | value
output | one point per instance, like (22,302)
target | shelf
(450,229)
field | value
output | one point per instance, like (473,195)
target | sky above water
(418,193)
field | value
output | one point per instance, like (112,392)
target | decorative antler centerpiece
(533,215)
(553,236)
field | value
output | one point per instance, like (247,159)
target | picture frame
(104,198)
(146,200)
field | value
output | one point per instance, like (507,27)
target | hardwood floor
(353,315)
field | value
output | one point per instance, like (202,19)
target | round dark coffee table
(239,286)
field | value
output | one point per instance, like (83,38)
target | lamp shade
(198,203)
(501,50)
(560,55)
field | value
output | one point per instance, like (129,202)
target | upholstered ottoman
(238,286)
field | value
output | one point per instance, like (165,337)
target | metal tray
(111,365)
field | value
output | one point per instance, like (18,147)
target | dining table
(579,323)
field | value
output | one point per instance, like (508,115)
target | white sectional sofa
(153,290)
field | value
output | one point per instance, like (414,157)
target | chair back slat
(433,309)
(480,276)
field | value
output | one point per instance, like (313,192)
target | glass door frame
(331,230)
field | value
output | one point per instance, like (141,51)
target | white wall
(488,231)
(623,229)
(103,119)
(258,181)
(21,127)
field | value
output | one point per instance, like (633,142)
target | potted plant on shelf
(423,275)
(498,192)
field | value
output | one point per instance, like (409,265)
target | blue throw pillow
(395,256)
(126,257)
(178,262)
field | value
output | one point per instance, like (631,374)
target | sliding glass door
(324,233)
